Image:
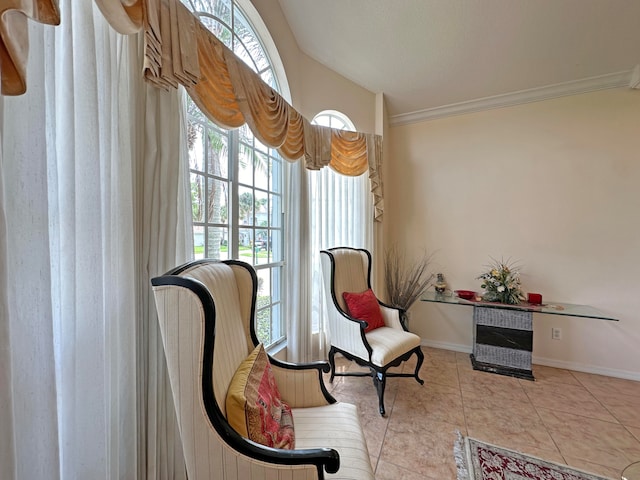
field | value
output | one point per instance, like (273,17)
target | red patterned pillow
(364,306)
(254,407)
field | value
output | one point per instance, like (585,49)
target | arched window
(333,119)
(236,181)
(341,213)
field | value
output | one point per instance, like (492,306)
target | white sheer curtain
(321,220)
(7,464)
(93,198)
(164,240)
(300,345)
(334,210)
(341,216)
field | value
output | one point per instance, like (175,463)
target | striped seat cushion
(390,343)
(335,426)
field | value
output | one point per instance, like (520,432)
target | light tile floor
(590,422)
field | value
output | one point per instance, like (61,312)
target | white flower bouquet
(502,283)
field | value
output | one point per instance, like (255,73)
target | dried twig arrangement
(406,282)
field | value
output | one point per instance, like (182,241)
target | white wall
(554,185)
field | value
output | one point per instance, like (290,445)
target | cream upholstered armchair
(349,270)
(206,311)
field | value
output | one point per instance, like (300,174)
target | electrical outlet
(556,334)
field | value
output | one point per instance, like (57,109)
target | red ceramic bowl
(466,294)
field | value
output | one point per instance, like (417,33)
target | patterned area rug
(481,461)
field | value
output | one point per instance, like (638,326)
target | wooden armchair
(206,312)
(349,270)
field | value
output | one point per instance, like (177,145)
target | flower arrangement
(502,282)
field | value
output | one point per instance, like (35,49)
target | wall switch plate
(556,334)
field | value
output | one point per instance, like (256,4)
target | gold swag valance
(14,39)
(179,49)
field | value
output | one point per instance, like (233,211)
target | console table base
(500,369)
(503,341)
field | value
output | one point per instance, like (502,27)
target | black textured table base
(501,370)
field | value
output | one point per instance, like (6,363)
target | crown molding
(602,82)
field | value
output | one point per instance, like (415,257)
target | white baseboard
(456,347)
(547,362)
(581,367)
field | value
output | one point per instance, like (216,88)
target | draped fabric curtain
(180,50)
(92,204)
(14,39)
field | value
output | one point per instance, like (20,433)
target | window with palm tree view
(236,181)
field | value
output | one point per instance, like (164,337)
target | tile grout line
(546,427)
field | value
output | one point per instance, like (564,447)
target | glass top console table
(553,308)
(503,334)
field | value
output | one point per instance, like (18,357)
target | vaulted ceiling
(439,57)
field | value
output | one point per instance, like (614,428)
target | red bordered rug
(481,461)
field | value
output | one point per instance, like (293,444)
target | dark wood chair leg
(332,363)
(420,356)
(380,381)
